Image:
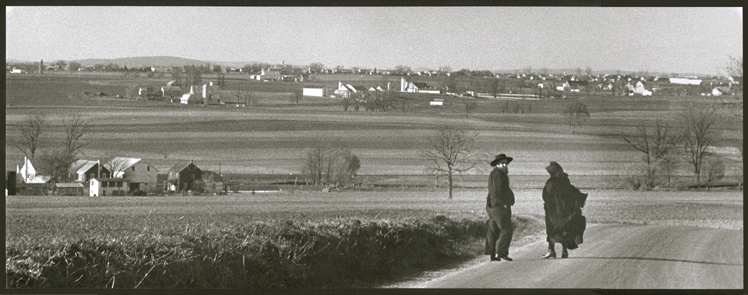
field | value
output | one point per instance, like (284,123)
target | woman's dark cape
(563,203)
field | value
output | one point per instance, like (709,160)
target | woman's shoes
(550,254)
(564,254)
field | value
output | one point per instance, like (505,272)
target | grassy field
(293,240)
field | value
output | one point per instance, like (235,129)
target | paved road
(618,256)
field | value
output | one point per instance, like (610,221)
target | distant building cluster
(121,176)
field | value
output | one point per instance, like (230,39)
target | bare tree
(75,128)
(31,130)
(296,96)
(450,151)
(655,146)
(576,114)
(470,106)
(735,70)
(326,164)
(698,136)
(714,169)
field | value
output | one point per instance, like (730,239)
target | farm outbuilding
(33,189)
(315,91)
(108,187)
(70,189)
(685,81)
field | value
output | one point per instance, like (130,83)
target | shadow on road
(659,259)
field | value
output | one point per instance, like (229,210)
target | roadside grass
(346,239)
(328,253)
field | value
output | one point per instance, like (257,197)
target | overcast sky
(696,40)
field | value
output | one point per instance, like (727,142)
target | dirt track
(618,256)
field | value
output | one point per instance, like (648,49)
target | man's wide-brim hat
(500,157)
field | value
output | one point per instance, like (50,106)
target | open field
(272,137)
(114,242)
(400,213)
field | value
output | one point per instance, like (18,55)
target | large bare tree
(698,135)
(31,131)
(450,151)
(75,128)
(656,148)
(576,114)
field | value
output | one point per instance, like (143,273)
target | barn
(185,176)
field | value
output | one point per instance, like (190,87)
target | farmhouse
(639,89)
(316,91)
(185,176)
(191,97)
(417,87)
(268,75)
(85,170)
(108,187)
(344,90)
(139,174)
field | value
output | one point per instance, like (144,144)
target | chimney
(402,84)
(340,84)
(41,67)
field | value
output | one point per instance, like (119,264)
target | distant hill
(142,61)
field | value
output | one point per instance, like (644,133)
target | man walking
(499,207)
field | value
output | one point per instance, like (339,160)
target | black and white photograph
(241,149)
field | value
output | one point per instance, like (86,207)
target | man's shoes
(505,258)
(494,258)
(550,254)
(564,254)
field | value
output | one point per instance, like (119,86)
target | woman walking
(562,203)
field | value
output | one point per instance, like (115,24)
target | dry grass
(284,239)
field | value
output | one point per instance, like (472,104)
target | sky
(671,40)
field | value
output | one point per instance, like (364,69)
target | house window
(148,168)
(104,183)
(119,184)
(91,176)
(133,168)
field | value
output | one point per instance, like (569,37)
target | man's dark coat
(500,222)
(563,214)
